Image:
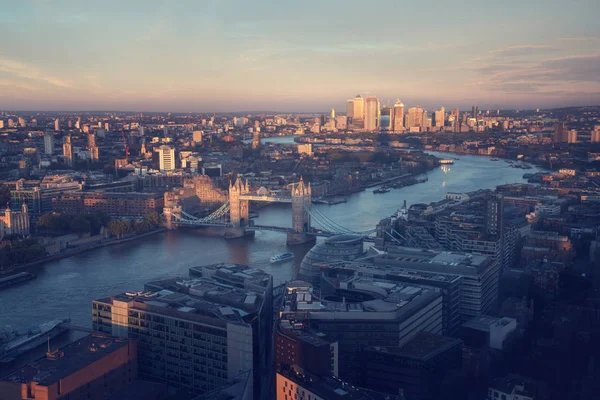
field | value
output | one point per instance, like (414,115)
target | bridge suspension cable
(218,214)
(332,226)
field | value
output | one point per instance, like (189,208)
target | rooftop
(238,275)
(76,356)
(194,299)
(385,300)
(443,262)
(331,388)
(423,346)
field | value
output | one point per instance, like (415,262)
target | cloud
(524,50)
(530,69)
(26,71)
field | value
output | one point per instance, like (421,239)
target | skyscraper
(398,120)
(48,143)
(92,147)
(475,111)
(166,158)
(493,211)
(56,125)
(572,136)
(332,113)
(371,113)
(355,108)
(440,117)
(560,132)
(67,150)
(414,118)
(385,122)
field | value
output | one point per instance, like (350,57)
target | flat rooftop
(435,261)
(236,274)
(332,388)
(390,300)
(193,299)
(77,355)
(423,346)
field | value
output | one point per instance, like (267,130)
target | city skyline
(296,57)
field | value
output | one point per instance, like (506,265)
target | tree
(153,219)
(80,224)
(119,227)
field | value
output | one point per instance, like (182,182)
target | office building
(78,123)
(92,147)
(22,122)
(296,384)
(560,132)
(595,138)
(475,112)
(11,123)
(385,123)
(332,113)
(166,158)
(93,367)
(49,143)
(398,120)
(468,282)
(512,387)
(200,332)
(414,117)
(67,151)
(355,108)
(1,124)
(360,313)
(56,124)
(341,122)
(440,117)
(371,113)
(344,247)
(418,368)
(489,332)
(572,136)
(493,213)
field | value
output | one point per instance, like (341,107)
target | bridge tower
(238,208)
(301,204)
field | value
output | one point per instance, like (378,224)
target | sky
(309,55)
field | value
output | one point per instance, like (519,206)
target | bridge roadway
(257,197)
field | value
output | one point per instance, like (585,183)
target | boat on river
(282,257)
(381,190)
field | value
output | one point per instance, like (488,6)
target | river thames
(66,288)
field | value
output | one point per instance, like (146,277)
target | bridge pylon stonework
(301,205)
(239,210)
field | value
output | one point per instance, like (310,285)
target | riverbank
(79,250)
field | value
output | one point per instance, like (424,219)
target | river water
(66,288)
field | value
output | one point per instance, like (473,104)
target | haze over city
(296,56)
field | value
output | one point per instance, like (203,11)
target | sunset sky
(244,55)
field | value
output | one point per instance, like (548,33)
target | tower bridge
(237,209)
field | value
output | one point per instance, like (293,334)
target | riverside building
(199,332)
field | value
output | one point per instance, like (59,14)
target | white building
(166,158)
